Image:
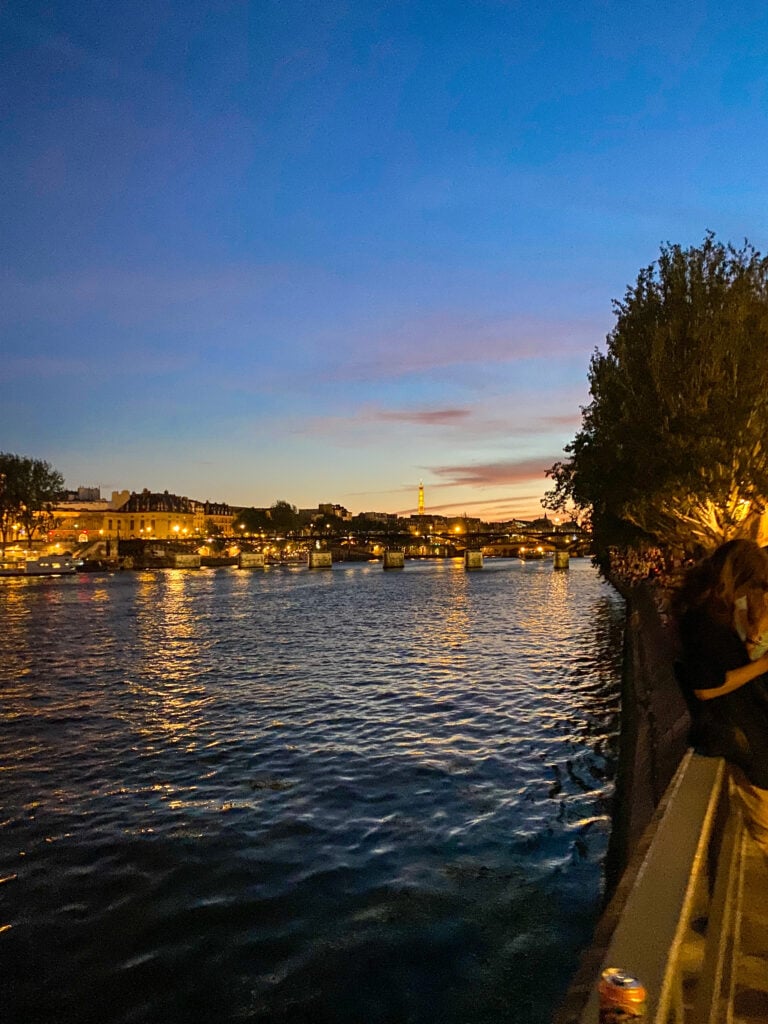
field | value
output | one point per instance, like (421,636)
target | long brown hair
(737,565)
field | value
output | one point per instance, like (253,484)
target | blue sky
(320,251)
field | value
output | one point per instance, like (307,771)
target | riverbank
(654,730)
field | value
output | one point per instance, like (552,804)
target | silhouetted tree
(284,517)
(673,443)
(251,520)
(29,489)
(332,525)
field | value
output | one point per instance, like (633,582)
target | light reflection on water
(288,796)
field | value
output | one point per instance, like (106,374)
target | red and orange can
(622,997)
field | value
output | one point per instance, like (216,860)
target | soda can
(622,997)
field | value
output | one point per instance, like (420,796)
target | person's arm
(736,678)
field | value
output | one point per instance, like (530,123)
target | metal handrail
(674,927)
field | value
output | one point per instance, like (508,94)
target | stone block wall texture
(655,723)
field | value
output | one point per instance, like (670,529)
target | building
(151,516)
(334,510)
(77,517)
(419,525)
(211,514)
(385,518)
(135,516)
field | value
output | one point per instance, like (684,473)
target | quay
(690,915)
(688,887)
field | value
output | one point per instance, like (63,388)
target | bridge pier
(320,560)
(185,561)
(394,560)
(473,559)
(251,560)
(562,558)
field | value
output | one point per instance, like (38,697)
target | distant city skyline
(321,252)
(89,496)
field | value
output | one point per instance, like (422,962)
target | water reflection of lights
(455,626)
(169,695)
(558,592)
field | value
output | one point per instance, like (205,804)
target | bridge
(490,541)
(350,546)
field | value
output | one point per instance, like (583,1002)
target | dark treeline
(672,447)
(29,489)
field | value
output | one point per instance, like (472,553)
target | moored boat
(46,565)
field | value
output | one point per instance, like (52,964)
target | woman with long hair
(722,606)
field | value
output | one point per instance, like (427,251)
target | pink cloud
(526,506)
(443,340)
(570,419)
(494,474)
(430,417)
(491,420)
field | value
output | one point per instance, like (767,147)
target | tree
(41,487)
(28,492)
(10,499)
(251,520)
(329,524)
(672,446)
(284,517)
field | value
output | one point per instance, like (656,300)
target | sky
(323,251)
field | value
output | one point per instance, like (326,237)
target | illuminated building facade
(137,516)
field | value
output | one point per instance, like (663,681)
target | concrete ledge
(643,928)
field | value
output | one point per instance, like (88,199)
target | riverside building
(137,516)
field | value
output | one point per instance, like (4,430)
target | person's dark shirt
(735,725)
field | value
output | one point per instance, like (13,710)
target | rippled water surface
(346,796)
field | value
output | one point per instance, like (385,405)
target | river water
(333,797)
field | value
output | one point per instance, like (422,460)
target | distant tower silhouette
(421,498)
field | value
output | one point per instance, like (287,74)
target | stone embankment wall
(655,723)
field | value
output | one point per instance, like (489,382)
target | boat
(46,565)
(525,554)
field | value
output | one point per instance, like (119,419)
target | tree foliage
(29,489)
(251,520)
(284,517)
(334,526)
(280,517)
(672,445)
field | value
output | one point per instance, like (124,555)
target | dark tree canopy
(284,517)
(672,446)
(29,489)
(280,517)
(330,524)
(252,520)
